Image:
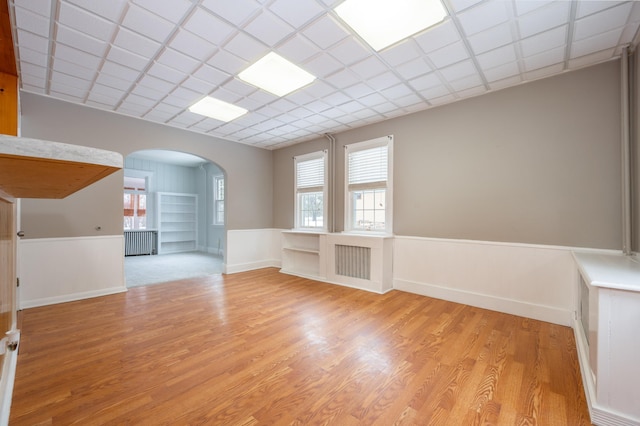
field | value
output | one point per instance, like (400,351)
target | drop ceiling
(152,59)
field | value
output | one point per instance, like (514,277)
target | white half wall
(57,270)
(527,280)
(249,249)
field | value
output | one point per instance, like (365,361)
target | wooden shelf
(33,168)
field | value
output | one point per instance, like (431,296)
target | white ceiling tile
(209,27)
(492,38)
(349,51)
(32,22)
(594,44)
(179,61)
(73,69)
(458,71)
(239,87)
(111,81)
(172,11)
(120,71)
(246,47)
(602,22)
(192,45)
(435,92)
(148,92)
(302,97)
(544,41)
(483,16)
(545,18)
(77,57)
(545,59)
(325,32)
(36,87)
(438,36)
(298,49)
(544,72)
(226,95)
(472,91)
(105,100)
(426,82)
(459,5)
(148,24)
(211,75)
(401,52)
(132,109)
(111,10)
(629,33)
(594,58)
(322,65)
(369,67)
(32,41)
(442,100)
(80,41)
(188,95)
(164,72)
(136,43)
(296,12)
(70,81)
(343,78)
(167,108)
(500,56)
(413,69)
(227,62)
(466,83)
(42,7)
(33,57)
(156,84)
(395,92)
(237,11)
(383,81)
(501,72)
(33,70)
(124,57)
(268,28)
(507,82)
(85,22)
(140,100)
(319,89)
(589,7)
(158,116)
(449,55)
(523,7)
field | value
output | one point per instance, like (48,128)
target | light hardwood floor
(271,349)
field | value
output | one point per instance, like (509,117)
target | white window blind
(368,166)
(310,174)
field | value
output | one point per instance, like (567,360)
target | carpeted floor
(144,270)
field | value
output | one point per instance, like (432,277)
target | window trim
(216,179)
(148,177)
(348,201)
(325,185)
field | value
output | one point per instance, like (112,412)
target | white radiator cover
(137,242)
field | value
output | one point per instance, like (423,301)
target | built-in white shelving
(302,254)
(177,222)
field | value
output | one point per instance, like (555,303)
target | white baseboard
(250,266)
(70,297)
(509,306)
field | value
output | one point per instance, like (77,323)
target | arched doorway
(174,217)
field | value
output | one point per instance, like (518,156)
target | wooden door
(7,271)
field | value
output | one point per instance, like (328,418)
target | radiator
(139,242)
(353,261)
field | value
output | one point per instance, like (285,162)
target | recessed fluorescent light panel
(276,75)
(215,108)
(382,23)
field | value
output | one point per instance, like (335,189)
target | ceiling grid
(152,60)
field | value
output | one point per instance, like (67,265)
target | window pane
(369,209)
(311,209)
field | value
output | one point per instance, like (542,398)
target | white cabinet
(608,336)
(303,254)
(177,222)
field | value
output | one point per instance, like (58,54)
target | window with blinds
(311,188)
(368,185)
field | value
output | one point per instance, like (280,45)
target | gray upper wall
(248,170)
(538,163)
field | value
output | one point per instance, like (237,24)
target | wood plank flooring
(264,348)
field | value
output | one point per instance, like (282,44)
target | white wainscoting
(57,270)
(249,249)
(527,280)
